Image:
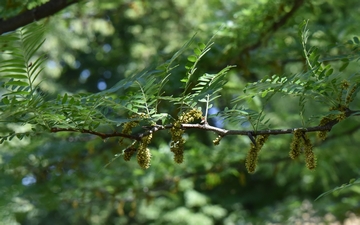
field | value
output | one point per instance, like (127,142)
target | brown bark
(29,16)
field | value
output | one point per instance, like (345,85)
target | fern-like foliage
(203,88)
(136,96)
(244,117)
(19,70)
(193,60)
(209,85)
(320,82)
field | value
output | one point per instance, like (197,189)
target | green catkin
(144,155)
(251,159)
(341,116)
(310,158)
(252,156)
(128,126)
(217,140)
(351,94)
(177,141)
(178,149)
(261,139)
(296,144)
(129,152)
(301,141)
(344,84)
(322,134)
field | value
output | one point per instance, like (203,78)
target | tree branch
(268,32)
(224,132)
(220,131)
(102,135)
(276,25)
(29,16)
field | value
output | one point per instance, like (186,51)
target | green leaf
(329,72)
(181,51)
(64,99)
(5,100)
(356,40)
(15,76)
(192,58)
(201,46)
(20,136)
(17,93)
(344,65)
(72,101)
(12,70)
(336,189)
(197,51)
(36,66)
(12,63)
(16,83)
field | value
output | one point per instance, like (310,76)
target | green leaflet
(17,70)
(209,85)
(193,60)
(351,183)
(241,116)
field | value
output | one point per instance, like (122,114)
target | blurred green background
(67,179)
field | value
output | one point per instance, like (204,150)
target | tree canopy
(179,112)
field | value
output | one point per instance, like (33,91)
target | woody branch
(220,131)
